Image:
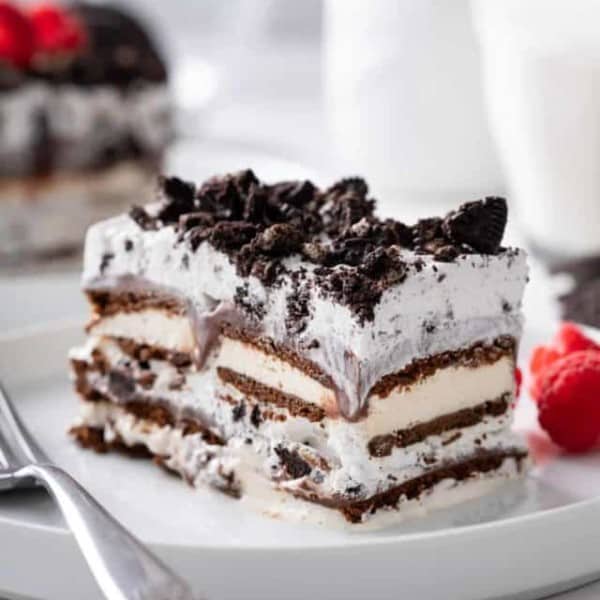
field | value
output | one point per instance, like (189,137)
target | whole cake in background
(85,118)
(284,338)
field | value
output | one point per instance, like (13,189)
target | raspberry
(569,400)
(55,29)
(16,36)
(568,339)
(541,358)
(571,339)
(518,381)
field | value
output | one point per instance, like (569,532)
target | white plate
(532,538)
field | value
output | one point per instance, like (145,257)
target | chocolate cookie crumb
(255,416)
(105,261)
(294,466)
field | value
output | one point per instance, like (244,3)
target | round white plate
(530,539)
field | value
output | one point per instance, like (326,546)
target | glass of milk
(405,101)
(541,62)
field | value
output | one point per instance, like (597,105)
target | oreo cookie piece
(231,235)
(178,199)
(478,224)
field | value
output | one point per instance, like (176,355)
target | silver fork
(123,568)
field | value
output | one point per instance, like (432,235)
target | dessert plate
(531,539)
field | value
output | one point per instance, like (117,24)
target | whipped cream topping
(440,306)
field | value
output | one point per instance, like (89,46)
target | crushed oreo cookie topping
(356,255)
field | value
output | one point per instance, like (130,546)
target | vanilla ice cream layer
(153,326)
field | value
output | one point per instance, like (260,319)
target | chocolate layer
(92,438)
(476,356)
(268,395)
(106,303)
(382,445)
(481,462)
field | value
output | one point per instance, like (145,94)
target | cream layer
(152,326)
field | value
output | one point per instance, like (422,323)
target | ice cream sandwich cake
(284,334)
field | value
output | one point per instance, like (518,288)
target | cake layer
(102,100)
(165,373)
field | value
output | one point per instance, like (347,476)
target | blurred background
(433,102)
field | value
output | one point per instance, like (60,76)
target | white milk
(542,75)
(405,99)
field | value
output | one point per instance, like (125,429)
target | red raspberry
(571,339)
(541,358)
(568,339)
(16,36)
(569,401)
(55,29)
(518,382)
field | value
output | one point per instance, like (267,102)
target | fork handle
(123,568)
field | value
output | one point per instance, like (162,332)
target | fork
(123,568)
